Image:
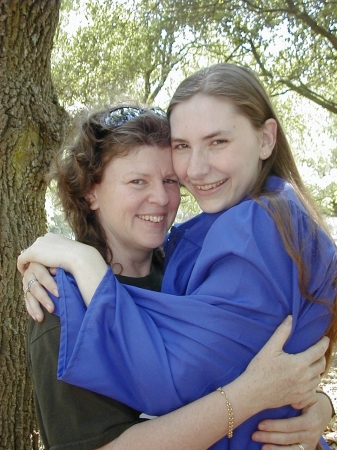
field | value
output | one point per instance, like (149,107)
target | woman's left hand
(306,429)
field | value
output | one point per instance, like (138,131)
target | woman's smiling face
(137,199)
(217,153)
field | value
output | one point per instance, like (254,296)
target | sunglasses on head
(117,116)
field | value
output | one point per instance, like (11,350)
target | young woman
(238,266)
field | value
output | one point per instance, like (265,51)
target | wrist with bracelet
(231,414)
(229,411)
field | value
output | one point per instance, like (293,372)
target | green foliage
(58,224)
(188,207)
(118,50)
(55,216)
(289,42)
(326,198)
(313,137)
(131,48)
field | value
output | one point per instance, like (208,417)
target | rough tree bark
(32,126)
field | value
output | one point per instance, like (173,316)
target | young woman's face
(217,154)
(137,200)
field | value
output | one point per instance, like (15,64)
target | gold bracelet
(230,413)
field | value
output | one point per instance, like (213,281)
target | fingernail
(56,292)
(49,307)
(37,318)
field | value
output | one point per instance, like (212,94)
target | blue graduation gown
(228,284)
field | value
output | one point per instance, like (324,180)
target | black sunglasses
(117,116)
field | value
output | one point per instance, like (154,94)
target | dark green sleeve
(69,418)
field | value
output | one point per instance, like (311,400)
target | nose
(158,194)
(197,166)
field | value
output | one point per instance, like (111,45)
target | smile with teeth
(207,187)
(152,218)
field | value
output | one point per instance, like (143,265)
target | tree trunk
(32,126)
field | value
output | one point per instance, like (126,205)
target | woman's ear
(91,198)
(269,134)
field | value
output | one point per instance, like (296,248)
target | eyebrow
(135,174)
(204,138)
(146,175)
